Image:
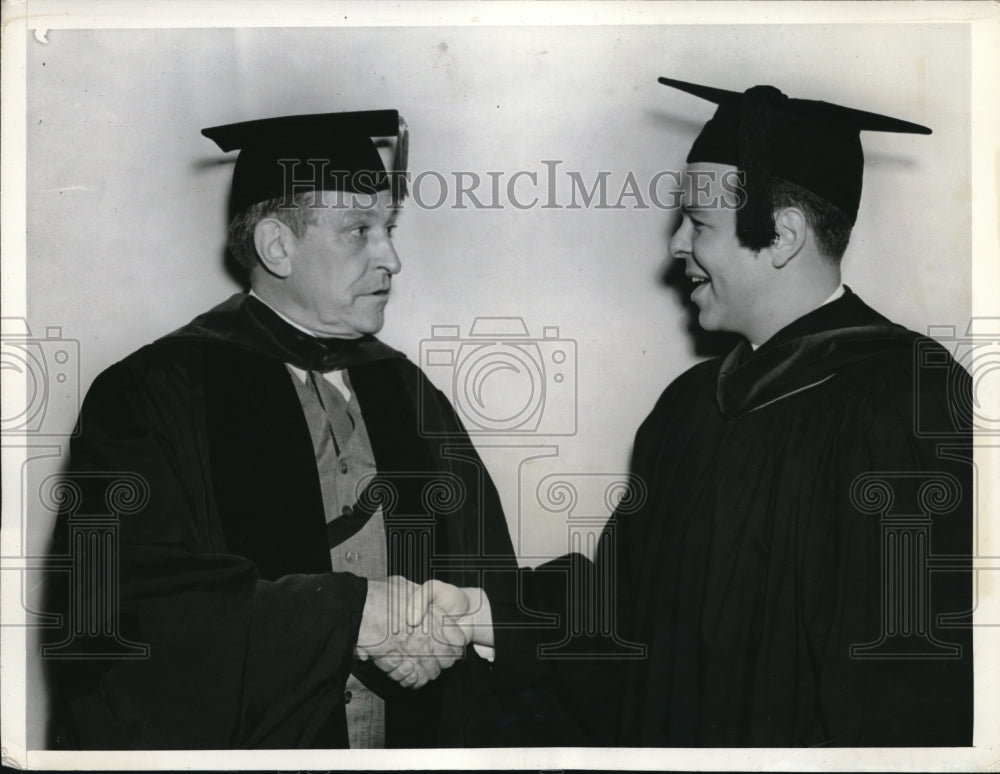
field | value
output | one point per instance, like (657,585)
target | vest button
(347,510)
(347,697)
(351,556)
(343,467)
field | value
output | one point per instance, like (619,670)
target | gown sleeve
(233,660)
(568,626)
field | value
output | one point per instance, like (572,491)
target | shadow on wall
(236,272)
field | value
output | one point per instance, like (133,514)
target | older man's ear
(275,245)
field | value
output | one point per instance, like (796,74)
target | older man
(794,568)
(292,499)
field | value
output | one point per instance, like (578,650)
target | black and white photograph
(515,385)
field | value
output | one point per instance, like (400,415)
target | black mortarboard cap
(766,134)
(321,151)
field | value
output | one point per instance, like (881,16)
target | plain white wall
(126,199)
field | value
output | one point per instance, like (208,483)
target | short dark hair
(298,218)
(828,222)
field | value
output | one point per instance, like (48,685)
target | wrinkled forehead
(709,186)
(333,206)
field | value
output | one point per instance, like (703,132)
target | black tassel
(399,162)
(755,221)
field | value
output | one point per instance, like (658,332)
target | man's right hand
(412,655)
(464,608)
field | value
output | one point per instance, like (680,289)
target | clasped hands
(412,632)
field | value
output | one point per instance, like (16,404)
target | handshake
(413,632)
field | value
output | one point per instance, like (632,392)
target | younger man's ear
(275,244)
(791,226)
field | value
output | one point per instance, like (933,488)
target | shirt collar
(281,314)
(335,377)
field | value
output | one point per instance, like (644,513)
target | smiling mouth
(698,282)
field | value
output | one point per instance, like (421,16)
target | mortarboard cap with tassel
(320,151)
(766,134)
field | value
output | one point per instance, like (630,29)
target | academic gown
(223,556)
(758,546)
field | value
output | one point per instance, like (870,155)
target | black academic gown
(224,568)
(752,555)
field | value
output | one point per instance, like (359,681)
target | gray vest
(342,477)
